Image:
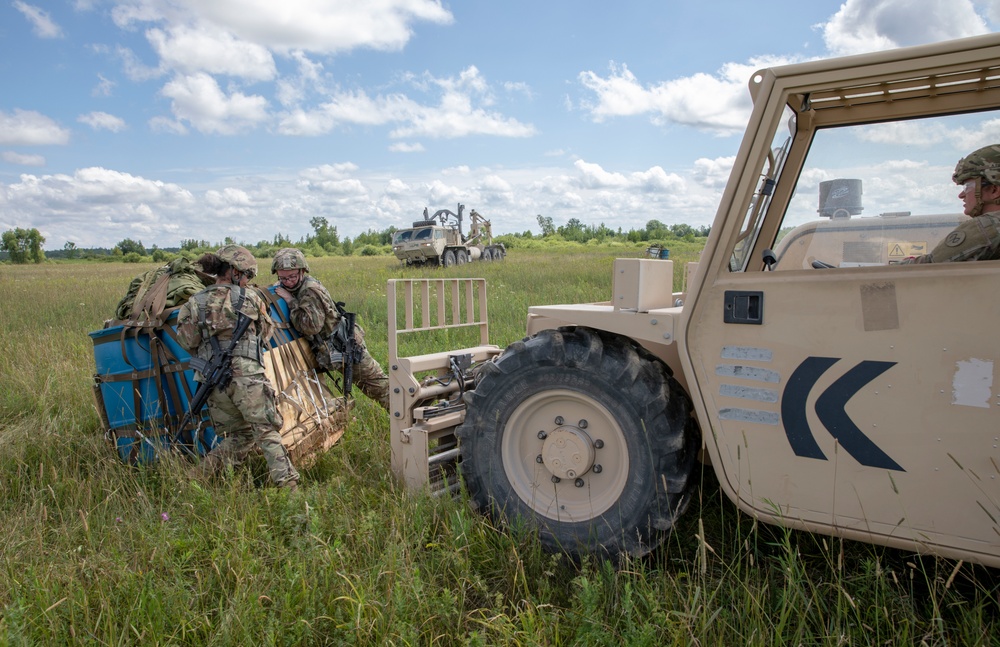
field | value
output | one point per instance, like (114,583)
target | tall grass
(98,553)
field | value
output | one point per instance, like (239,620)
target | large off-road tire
(487,255)
(461,257)
(583,435)
(448,258)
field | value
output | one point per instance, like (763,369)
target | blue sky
(164,120)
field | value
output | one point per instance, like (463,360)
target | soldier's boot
(291,485)
(208,467)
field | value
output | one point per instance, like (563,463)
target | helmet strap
(978,209)
(980,203)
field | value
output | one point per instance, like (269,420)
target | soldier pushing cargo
(245,410)
(314,313)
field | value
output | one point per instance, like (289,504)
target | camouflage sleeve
(265,325)
(188,332)
(306,312)
(976,239)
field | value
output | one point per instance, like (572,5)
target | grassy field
(98,553)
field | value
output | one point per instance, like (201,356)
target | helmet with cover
(289,258)
(983,163)
(240,258)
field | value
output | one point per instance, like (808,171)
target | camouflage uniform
(313,313)
(245,412)
(977,239)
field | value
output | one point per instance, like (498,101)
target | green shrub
(375,250)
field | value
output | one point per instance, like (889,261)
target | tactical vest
(250,346)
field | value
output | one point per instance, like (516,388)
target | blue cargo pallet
(657,251)
(143,386)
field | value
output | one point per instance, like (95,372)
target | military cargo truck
(439,240)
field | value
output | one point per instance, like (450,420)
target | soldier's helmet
(240,258)
(289,258)
(984,163)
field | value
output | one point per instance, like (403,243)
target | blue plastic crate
(143,385)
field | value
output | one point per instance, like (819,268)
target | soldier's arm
(265,325)
(970,241)
(306,312)
(188,332)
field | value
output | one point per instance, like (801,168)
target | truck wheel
(461,257)
(448,259)
(487,255)
(583,435)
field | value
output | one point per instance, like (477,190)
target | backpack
(167,286)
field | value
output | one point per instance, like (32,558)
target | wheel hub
(568,452)
(565,454)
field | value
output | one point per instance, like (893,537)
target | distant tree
(655,229)
(325,235)
(70,249)
(545,222)
(573,230)
(193,245)
(374,237)
(23,245)
(129,246)
(682,231)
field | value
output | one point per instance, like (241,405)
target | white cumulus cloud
(198,100)
(869,25)
(30,128)
(22,159)
(102,121)
(717,103)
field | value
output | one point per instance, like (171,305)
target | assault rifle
(344,349)
(218,372)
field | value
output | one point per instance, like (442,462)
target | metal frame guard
(425,390)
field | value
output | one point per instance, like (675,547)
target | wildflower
(164,516)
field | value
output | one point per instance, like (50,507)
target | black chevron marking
(830,409)
(793,405)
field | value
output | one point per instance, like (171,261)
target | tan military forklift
(831,389)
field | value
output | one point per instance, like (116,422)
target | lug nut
(555,479)
(542,435)
(597,469)
(583,424)
(598,444)
(578,482)
(559,420)
(539,459)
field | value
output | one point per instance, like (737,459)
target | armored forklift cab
(860,400)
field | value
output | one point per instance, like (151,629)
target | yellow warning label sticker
(902,249)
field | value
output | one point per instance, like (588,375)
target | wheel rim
(565,455)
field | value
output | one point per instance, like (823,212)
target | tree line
(25,245)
